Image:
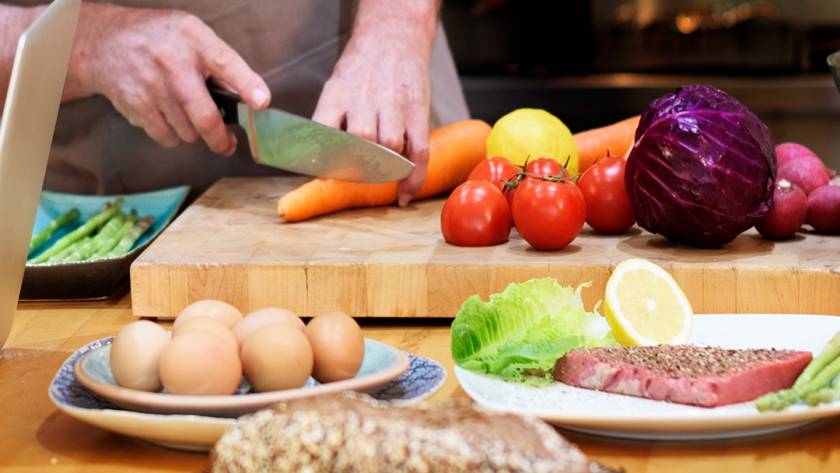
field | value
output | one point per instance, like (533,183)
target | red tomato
(544,167)
(476,214)
(548,215)
(495,170)
(608,208)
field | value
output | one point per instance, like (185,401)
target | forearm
(13,21)
(412,21)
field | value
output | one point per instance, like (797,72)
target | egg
(134,355)
(212,308)
(199,363)
(208,325)
(277,356)
(337,345)
(261,317)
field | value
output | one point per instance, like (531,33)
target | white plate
(616,415)
(423,378)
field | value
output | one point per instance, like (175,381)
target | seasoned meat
(701,376)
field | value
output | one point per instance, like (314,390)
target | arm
(380,87)
(13,21)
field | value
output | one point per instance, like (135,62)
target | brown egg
(261,317)
(212,308)
(134,355)
(276,357)
(207,325)
(337,345)
(198,363)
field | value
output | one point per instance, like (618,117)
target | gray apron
(292,44)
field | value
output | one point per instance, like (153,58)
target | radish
(801,166)
(787,214)
(824,209)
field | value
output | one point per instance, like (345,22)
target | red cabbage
(702,169)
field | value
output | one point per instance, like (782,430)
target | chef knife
(284,140)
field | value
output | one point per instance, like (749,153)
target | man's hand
(380,89)
(152,65)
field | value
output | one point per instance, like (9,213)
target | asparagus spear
(60,222)
(829,394)
(817,375)
(85,230)
(61,255)
(86,250)
(131,237)
(108,244)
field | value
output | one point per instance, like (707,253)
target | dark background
(592,62)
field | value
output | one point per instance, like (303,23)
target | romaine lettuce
(520,332)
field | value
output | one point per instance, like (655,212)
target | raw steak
(701,376)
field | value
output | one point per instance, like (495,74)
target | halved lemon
(645,306)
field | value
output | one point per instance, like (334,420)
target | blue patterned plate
(423,378)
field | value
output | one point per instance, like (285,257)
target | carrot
(615,139)
(454,150)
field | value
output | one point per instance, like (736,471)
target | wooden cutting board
(392,262)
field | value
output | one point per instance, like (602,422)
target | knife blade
(287,141)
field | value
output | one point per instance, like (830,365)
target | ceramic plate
(96,279)
(193,432)
(630,417)
(381,364)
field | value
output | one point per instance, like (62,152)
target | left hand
(380,90)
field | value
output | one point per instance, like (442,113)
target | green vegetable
(60,222)
(131,236)
(520,332)
(824,395)
(814,378)
(86,250)
(85,230)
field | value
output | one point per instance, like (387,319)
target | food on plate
(476,214)
(608,207)
(528,133)
(702,168)
(276,356)
(265,316)
(111,232)
(497,171)
(324,433)
(548,212)
(215,309)
(60,222)
(817,383)
(802,167)
(611,140)
(645,306)
(787,214)
(454,150)
(824,209)
(134,355)
(210,326)
(684,374)
(338,346)
(520,332)
(199,363)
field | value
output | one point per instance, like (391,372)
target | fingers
(192,95)
(362,122)
(329,111)
(144,114)
(417,151)
(177,118)
(392,129)
(225,64)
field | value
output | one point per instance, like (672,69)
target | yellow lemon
(645,306)
(533,133)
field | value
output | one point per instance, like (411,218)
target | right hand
(152,65)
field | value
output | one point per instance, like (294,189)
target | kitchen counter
(36,437)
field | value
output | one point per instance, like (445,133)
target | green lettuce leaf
(520,332)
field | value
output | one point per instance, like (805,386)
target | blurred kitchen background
(591,62)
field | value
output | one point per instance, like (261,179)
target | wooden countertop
(36,437)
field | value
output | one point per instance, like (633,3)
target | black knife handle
(226,101)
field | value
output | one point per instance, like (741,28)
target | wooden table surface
(36,437)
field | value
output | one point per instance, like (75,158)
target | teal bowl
(100,278)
